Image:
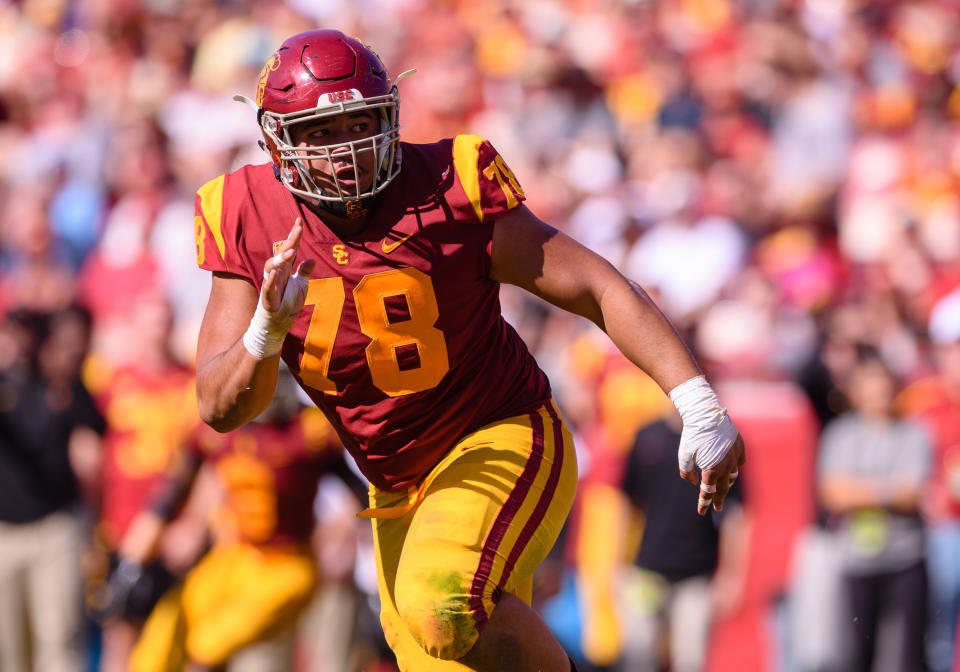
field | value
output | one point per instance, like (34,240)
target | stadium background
(781,174)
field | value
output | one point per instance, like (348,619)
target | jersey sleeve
(215,228)
(490,187)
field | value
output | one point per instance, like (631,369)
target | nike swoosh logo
(390,247)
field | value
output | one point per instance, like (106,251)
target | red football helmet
(318,74)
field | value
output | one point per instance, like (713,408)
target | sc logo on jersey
(340,254)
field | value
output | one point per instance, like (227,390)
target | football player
(242,598)
(373,267)
(146,397)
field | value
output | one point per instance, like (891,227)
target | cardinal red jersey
(269,474)
(150,418)
(401,342)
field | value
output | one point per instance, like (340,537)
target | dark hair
(868,355)
(37,327)
(34,326)
(75,311)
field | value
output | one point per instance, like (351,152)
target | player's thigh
(489,515)
(494,508)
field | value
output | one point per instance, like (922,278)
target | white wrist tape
(264,337)
(708,432)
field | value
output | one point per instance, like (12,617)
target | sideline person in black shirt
(688,569)
(45,415)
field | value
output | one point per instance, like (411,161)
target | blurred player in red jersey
(240,603)
(147,398)
(392,325)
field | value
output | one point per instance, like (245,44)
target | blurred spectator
(935,401)
(872,471)
(44,412)
(35,273)
(825,373)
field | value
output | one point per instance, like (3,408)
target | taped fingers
(275,263)
(707,491)
(724,483)
(722,495)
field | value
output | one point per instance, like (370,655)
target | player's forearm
(644,335)
(234,387)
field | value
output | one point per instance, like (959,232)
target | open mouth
(347,175)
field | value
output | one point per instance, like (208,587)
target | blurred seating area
(781,175)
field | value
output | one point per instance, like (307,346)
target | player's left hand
(716,481)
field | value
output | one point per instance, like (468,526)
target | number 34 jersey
(401,342)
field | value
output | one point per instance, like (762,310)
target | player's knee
(437,611)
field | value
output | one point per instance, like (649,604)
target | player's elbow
(216,422)
(220,425)
(226,402)
(219,417)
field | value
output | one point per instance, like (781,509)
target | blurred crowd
(781,175)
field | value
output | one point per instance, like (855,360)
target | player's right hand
(276,294)
(282,296)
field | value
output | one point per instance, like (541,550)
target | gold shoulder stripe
(211,202)
(466,153)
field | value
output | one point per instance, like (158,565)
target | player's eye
(360,127)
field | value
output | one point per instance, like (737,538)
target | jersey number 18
(386,337)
